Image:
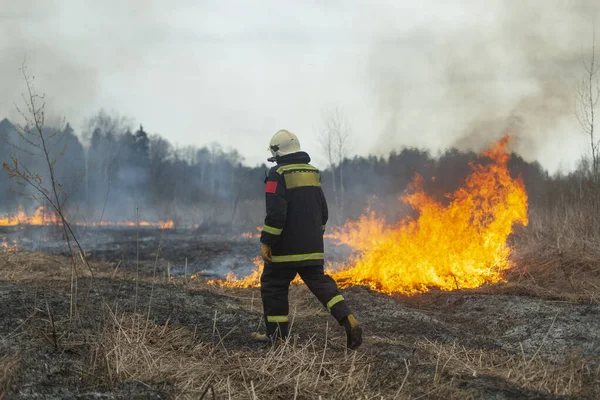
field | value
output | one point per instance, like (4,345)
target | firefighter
(292,241)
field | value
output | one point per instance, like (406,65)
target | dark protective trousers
(274,285)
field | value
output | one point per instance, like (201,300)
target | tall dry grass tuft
(131,348)
(574,377)
(559,252)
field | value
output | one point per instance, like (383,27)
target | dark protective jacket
(296,212)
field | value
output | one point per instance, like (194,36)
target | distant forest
(119,173)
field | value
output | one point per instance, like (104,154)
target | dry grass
(9,366)
(558,254)
(25,266)
(132,348)
(574,377)
(568,268)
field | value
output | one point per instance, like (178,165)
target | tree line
(121,174)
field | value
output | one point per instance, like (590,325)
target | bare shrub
(40,142)
(587,97)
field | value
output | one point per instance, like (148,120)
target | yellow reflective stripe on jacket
(298,257)
(277,318)
(324,226)
(293,167)
(334,301)
(271,230)
(300,179)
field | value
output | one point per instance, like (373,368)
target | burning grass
(7,246)
(250,281)
(458,246)
(39,218)
(42,217)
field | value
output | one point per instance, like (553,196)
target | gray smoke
(66,44)
(27,34)
(515,68)
(442,73)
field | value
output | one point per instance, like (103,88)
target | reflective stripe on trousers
(334,301)
(277,318)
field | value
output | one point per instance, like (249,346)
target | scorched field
(474,297)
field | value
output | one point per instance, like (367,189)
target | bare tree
(327,142)
(39,141)
(588,94)
(335,142)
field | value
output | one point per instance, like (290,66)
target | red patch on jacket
(271,187)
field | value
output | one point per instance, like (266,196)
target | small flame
(253,235)
(251,281)
(42,217)
(462,245)
(39,218)
(6,247)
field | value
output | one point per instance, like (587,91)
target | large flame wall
(461,245)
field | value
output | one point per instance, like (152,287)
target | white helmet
(283,143)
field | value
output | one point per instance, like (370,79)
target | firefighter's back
(302,237)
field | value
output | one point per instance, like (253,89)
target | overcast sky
(431,74)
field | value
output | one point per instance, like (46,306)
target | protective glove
(265,252)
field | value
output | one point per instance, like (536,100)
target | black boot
(353,332)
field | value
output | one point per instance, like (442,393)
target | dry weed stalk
(38,140)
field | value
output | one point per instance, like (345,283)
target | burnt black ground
(208,253)
(394,325)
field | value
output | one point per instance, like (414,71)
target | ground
(139,335)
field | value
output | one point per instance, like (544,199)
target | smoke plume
(503,66)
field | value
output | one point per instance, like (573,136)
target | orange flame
(251,281)
(6,247)
(253,235)
(39,218)
(462,245)
(43,217)
(459,246)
